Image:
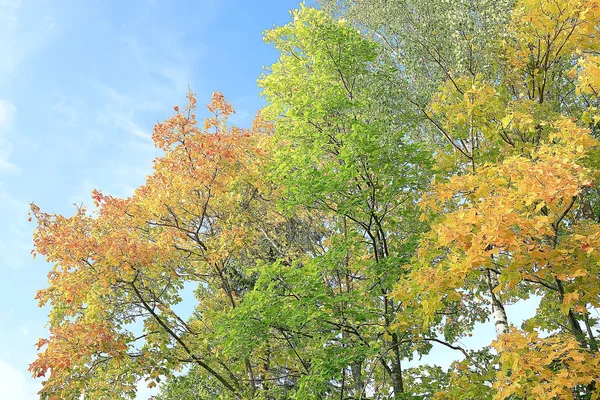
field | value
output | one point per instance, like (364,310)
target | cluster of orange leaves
(186,207)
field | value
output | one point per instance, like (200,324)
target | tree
(419,165)
(454,44)
(343,153)
(522,215)
(515,203)
(323,319)
(118,272)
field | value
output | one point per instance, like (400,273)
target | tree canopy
(419,166)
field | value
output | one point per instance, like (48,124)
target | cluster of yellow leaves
(589,77)
(511,209)
(464,104)
(468,111)
(555,28)
(543,368)
(520,210)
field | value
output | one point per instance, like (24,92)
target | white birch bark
(498,311)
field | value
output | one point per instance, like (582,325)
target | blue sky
(81,85)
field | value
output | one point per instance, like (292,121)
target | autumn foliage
(393,193)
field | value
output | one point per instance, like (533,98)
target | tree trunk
(397,381)
(359,385)
(498,311)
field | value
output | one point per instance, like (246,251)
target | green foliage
(418,165)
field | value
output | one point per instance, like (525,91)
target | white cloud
(166,67)
(11,54)
(19,39)
(7,167)
(50,22)
(64,111)
(161,73)
(7,114)
(14,385)
(126,123)
(15,237)
(111,94)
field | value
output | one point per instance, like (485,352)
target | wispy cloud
(160,75)
(124,122)
(18,42)
(15,240)
(165,66)
(12,54)
(65,112)
(128,125)
(110,94)
(14,385)
(7,114)
(19,39)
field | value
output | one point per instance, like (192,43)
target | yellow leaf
(579,272)
(507,120)
(585,117)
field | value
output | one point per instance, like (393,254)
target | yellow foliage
(543,368)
